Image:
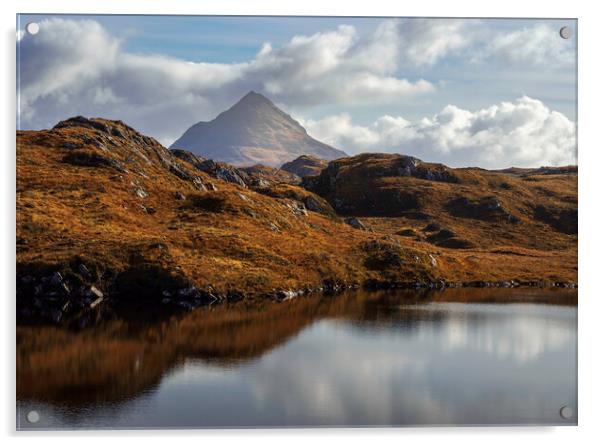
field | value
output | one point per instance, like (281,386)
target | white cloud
(425,41)
(538,45)
(522,133)
(334,67)
(77,67)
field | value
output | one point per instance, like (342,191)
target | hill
(305,165)
(107,217)
(513,215)
(253,131)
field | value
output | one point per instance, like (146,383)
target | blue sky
(316,68)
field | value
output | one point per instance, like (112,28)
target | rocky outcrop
(447,238)
(187,156)
(309,200)
(562,220)
(488,208)
(355,223)
(115,145)
(218,170)
(224,172)
(262,176)
(47,294)
(305,165)
(78,294)
(361,185)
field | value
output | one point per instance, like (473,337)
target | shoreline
(53,299)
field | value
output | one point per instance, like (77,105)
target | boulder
(406,232)
(488,208)
(355,223)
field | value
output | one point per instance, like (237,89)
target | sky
(491,93)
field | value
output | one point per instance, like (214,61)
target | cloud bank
(76,67)
(524,133)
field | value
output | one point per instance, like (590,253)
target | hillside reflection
(118,360)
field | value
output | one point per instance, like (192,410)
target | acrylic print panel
(295,222)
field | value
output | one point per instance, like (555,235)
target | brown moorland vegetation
(489,225)
(106,206)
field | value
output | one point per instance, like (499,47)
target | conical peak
(254,98)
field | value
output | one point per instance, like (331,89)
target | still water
(457,357)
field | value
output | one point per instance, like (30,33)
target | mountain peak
(251,95)
(253,100)
(253,131)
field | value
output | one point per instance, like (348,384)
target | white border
(590,202)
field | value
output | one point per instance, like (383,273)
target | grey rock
(84,271)
(198,184)
(355,223)
(96,292)
(56,279)
(140,192)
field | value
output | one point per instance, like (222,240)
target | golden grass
(236,238)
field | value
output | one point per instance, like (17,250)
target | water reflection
(453,357)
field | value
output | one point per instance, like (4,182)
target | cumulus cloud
(523,133)
(334,67)
(77,67)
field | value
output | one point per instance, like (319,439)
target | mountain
(305,165)
(253,131)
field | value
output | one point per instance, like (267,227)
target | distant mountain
(253,131)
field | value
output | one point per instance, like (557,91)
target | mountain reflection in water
(459,356)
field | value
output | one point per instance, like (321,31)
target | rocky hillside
(106,212)
(107,217)
(253,131)
(305,166)
(264,175)
(465,208)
